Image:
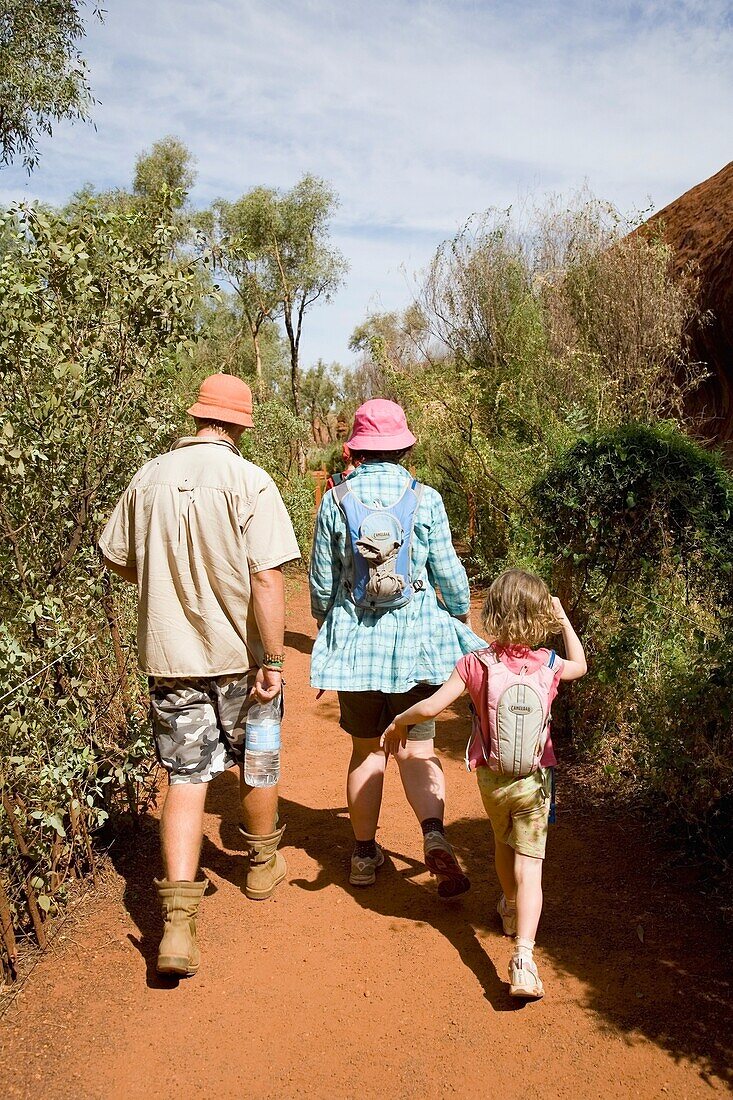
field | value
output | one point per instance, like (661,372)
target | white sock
(524,948)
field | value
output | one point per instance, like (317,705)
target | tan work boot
(178,953)
(267,866)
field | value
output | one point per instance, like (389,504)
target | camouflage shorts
(198,725)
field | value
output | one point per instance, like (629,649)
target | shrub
(640,503)
(273,445)
(638,523)
(536,330)
(94,310)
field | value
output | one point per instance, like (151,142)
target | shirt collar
(192,440)
(382,468)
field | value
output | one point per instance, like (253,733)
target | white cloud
(419,113)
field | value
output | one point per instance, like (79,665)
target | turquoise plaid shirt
(362,650)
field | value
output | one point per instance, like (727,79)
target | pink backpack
(518,705)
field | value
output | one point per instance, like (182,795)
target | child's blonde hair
(518,610)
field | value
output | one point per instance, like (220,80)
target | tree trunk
(295,389)
(7,936)
(295,378)
(258,360)
(114,630)
(25,854)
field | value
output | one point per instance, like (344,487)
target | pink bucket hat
(380,425)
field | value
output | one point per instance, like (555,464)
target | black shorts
(368,713)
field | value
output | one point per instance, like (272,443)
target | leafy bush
(639,525)
(530,333)
(639,502)
(94,309)
(273,445)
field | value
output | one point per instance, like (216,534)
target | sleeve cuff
(461,668)
(455,608)
(261,566)
(126,563)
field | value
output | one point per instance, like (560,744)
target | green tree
(239,236)
(275,252)
(164,175)
(167,167)
(43,77)
(223,344)
(320,389)
(388,343)
(306,266)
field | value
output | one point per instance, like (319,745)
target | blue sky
(419,112)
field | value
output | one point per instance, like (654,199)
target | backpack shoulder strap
(486,656)
(418,489)
(340,490)
(552,659)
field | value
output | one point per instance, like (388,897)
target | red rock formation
(699,227)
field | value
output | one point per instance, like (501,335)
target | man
(386,638)
(204,534)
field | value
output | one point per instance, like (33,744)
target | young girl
(518,615)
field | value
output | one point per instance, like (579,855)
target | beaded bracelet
(274,661)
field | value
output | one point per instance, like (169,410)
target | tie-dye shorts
(518,809)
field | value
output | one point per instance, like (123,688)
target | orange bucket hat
(226,398)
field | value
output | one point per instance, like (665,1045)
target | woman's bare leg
(364,786)
(422,778)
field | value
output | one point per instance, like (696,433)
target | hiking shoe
(178,954)
(524,981)
(364,868)
(508,917)
(267,867)
(440,860)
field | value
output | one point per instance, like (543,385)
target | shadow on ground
(631,928)
(327,838)
(651,964)
(295,640)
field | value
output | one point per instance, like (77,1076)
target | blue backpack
(378,575)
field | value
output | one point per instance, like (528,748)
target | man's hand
(393,738)
(268,684)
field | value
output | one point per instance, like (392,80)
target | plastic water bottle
(262,743)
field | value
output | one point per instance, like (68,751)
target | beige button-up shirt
(196,522)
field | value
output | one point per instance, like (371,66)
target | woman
(382,547)
(349,466)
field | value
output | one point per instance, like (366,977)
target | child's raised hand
(558,608)
(393,738)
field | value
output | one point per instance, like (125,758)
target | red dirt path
(332,992)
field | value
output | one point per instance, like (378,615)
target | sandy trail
(329,991)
